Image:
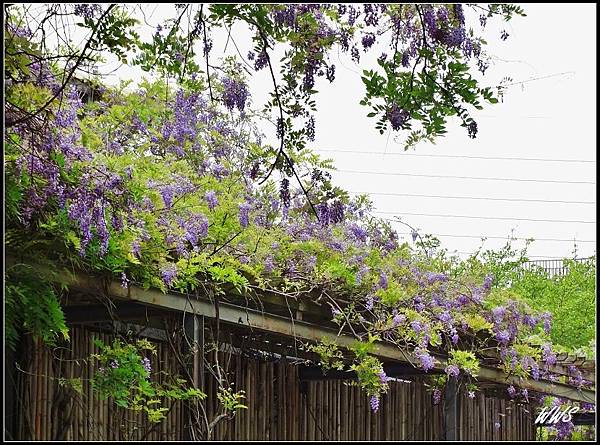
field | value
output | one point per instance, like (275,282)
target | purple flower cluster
(124,281)
(398,319)
(564,430)
(146,364)
(397,116)
(284,192)
(195,228)
(426,361)
(211,199)
(244,214)
(168,273)
(503,337)
(512,392)
(374,403)
(87,10)
(452,370)
(235,94)
(357,232)
(437,396)
(368,40)
(548,356)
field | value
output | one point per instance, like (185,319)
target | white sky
(551,118)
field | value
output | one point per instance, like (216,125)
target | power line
(501,237)
(465,177)
(473,197)
(487,217)
(457,156)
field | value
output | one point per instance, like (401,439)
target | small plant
(464,360)
(124,374)
(230,399)
(331,357)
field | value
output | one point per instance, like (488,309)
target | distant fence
(280,405)
(556,267)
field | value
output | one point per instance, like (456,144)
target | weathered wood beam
(84,313)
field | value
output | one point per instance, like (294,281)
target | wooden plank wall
(280,407)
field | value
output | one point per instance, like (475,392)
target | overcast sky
(551,116)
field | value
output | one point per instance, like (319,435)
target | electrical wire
(494,158)
(487,217)
(501,237)
(474,197)
(465,177)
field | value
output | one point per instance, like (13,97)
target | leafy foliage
(124,374)
(570,298)
(32,306)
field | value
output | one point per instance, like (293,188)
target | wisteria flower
(168,273)
(146,364)
(211,199)
(374,403)
(452,370)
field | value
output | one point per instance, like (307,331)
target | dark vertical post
(451,410)
(193,346)
(10,384)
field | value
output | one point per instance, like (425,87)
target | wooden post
(193,326)
(10,397)
(451,410)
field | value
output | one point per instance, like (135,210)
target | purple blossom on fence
(445,317)
(452,370)
(268,264)
(503,337)
(498,313)
(426,361)
(437,396)
(168,273)
(374,403)
(547,355)
(454,337)
(398,319)
(337,212)
(124,280)
(512,392)
(146,364)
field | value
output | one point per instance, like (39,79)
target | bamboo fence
(280,406)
